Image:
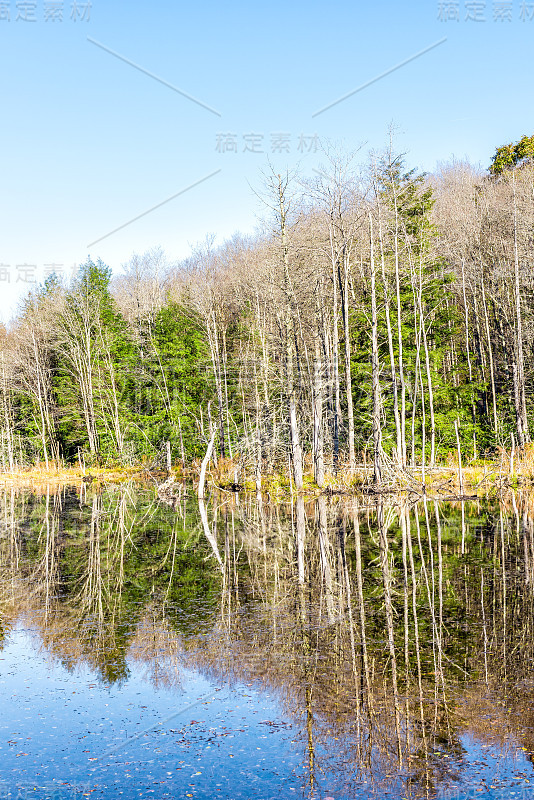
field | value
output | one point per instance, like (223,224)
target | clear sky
(91,141)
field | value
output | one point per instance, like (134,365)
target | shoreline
(443,482)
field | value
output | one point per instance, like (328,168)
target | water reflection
(396,637)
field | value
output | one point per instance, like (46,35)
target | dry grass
(480,477)
(59,474)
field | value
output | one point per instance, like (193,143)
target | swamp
(231,647)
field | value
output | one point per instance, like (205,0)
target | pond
(245,650)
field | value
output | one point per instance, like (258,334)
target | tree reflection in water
(390,632)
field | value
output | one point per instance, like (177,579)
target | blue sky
(89,142)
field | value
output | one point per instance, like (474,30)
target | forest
(378,314)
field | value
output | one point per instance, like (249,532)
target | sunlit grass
(59,473)
(480,476)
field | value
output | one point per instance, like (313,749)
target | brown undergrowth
(479,477)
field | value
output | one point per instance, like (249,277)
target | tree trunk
(375,368)
(398,430)
(296,451)
(318,437)
(519,376)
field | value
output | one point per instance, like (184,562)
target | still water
(244,650)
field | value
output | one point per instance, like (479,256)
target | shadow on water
(395,639)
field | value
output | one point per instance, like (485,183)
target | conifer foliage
(378,312)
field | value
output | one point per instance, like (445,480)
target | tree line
(377,313)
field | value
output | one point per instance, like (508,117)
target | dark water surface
(333,649)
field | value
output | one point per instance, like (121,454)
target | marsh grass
(506,469)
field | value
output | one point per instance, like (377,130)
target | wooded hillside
(377,311)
